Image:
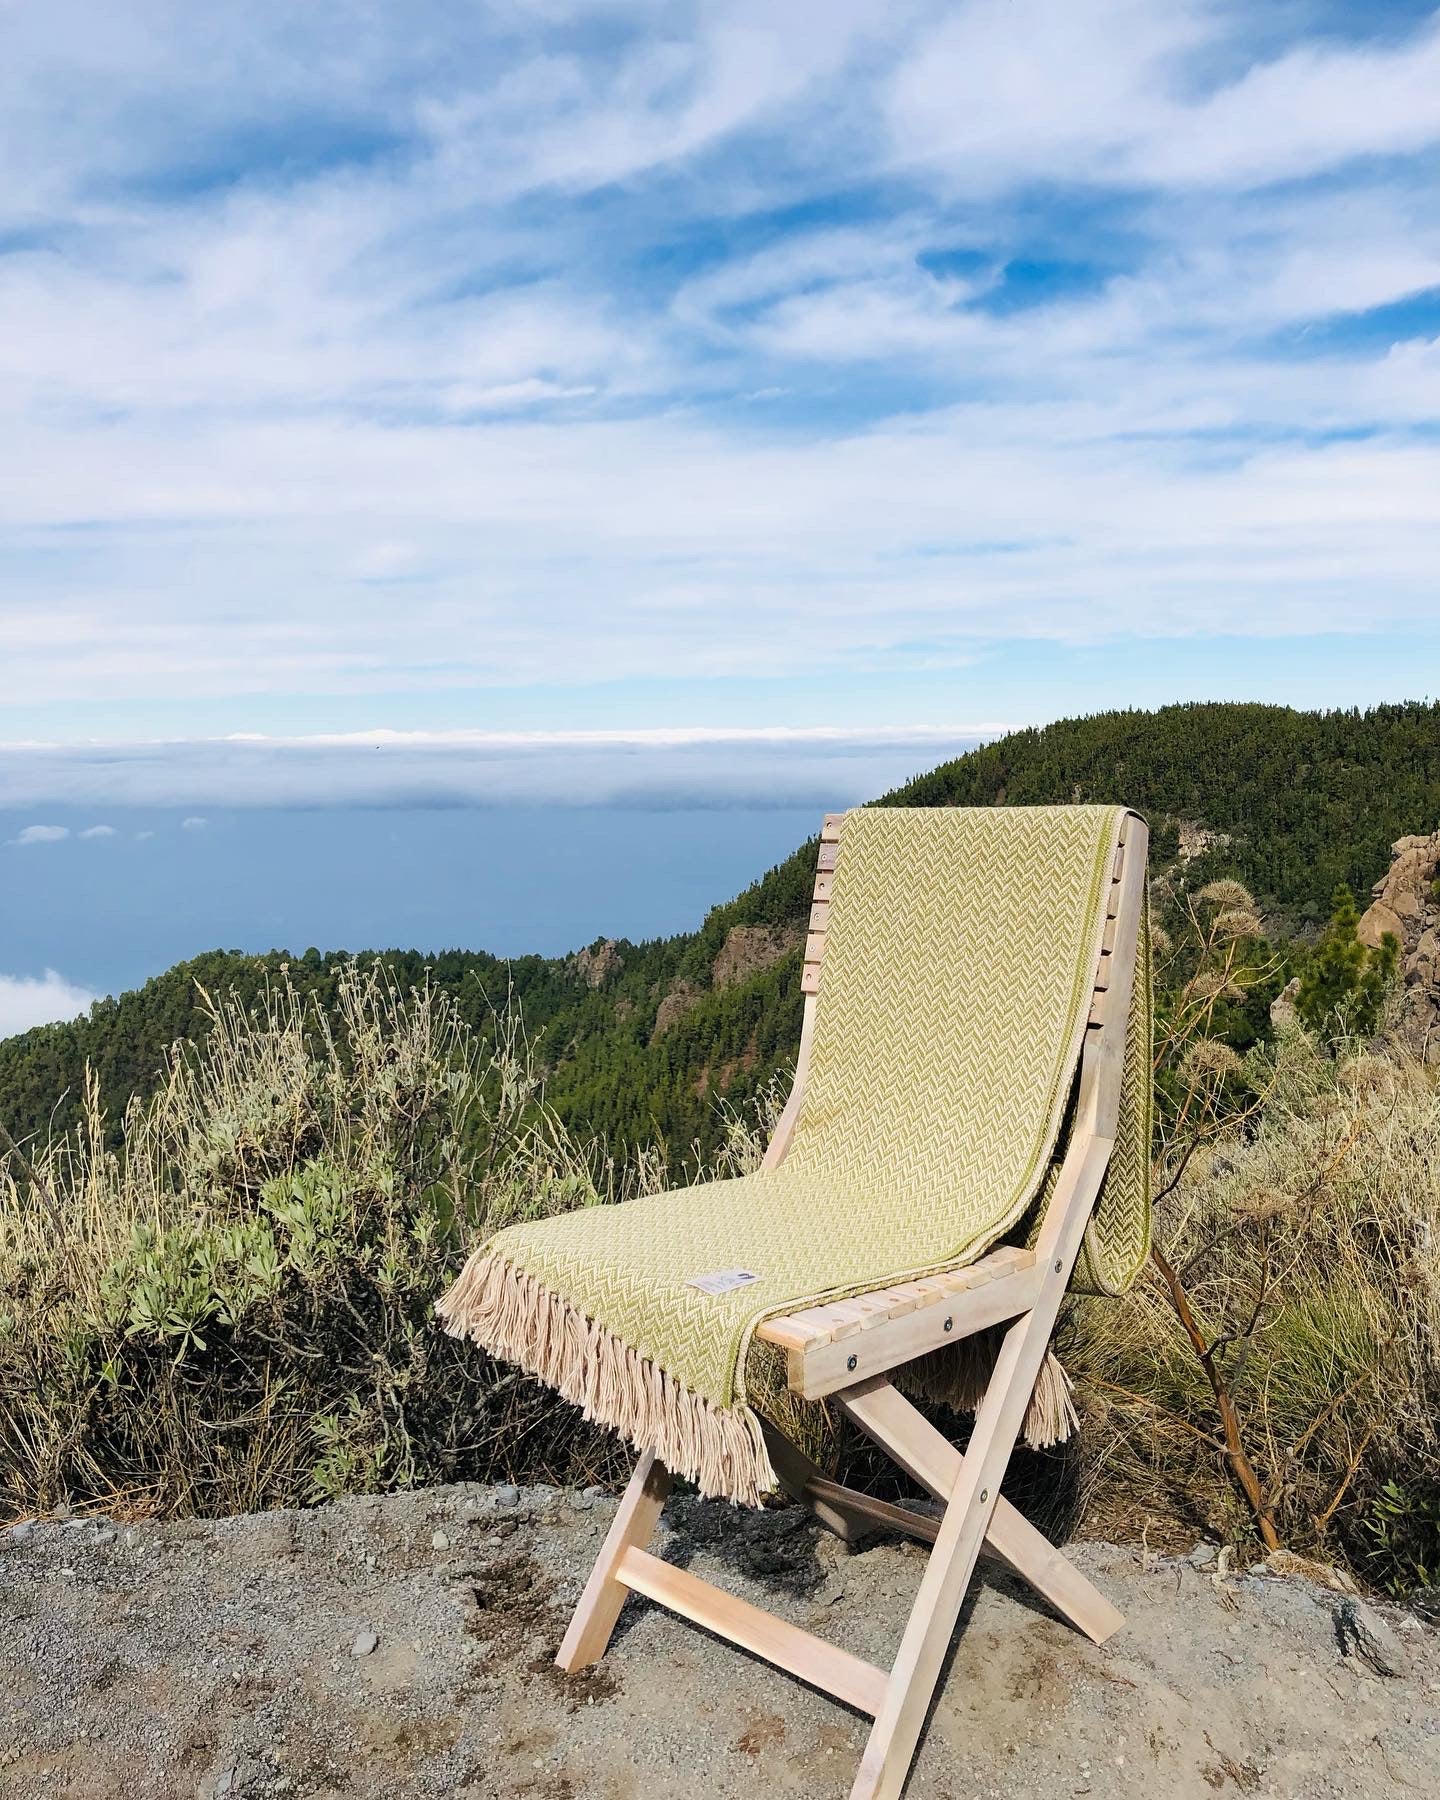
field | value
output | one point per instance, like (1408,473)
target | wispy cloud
(657,767)
(27,1000)
(94,833)
(354,352)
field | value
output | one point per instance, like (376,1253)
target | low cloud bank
(27,1000)
(663,768)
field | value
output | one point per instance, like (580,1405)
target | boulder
(1406,904)
(1375,921)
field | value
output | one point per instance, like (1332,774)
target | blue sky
(628,368)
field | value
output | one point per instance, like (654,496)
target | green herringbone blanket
(959,956)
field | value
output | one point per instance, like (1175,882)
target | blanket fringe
(510,1314)
(959,1375)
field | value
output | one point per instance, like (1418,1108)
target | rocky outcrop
(750,948)
(674,1007)
(1196,839)
(1407,904)
(596,964)
(1283,1013)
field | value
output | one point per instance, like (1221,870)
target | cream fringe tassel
(510,1314)
(959,1375)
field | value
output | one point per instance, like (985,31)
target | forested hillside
(639,1041)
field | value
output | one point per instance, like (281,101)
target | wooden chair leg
(1054,1577)
(903,1432)
(971,1502)
(802,1480)
(896,1732)
(632,1528)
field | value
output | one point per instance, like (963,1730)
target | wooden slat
(836,1320)
(1099,1011)
(1104,1059)
(810,979)
(830,828)
(826,1666)
(820,915)
(819,1368)
(785,1124)
(815,947)
(824,881)
(866,1512)
(829,856)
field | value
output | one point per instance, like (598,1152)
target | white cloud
(93,832)
(444,379)
(1116,92)
(699,766)
(41,834)
(193,824)
(27,1000)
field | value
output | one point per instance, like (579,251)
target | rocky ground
(402,1647)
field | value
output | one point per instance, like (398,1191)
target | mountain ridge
(639,1039)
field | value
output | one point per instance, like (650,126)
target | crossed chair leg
(975,1516)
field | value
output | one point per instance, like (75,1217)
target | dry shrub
(1308,1241)
(236,1310)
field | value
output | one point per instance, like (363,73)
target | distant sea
(151,888)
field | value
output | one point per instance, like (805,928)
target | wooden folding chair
(847,1350)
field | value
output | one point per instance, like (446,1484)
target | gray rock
(365,1642)
(582,1502)
(1361,1632)
(23,1531)
(439,1541)
(594,1493)
(1203,1556)
(507,1494)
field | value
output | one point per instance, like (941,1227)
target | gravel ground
(402,1647)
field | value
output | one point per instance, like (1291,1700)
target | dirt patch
(236,1659)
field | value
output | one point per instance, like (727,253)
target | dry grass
(1308,1241)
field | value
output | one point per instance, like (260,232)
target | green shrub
(235,1308)
(1404,1530)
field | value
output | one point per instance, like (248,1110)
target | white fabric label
(721,1281)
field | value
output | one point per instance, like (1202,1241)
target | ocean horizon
(107,906)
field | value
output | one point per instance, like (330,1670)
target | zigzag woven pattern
(958,967)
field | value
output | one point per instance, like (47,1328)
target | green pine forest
(1298,804)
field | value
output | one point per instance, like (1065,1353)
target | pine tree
(1345,984)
